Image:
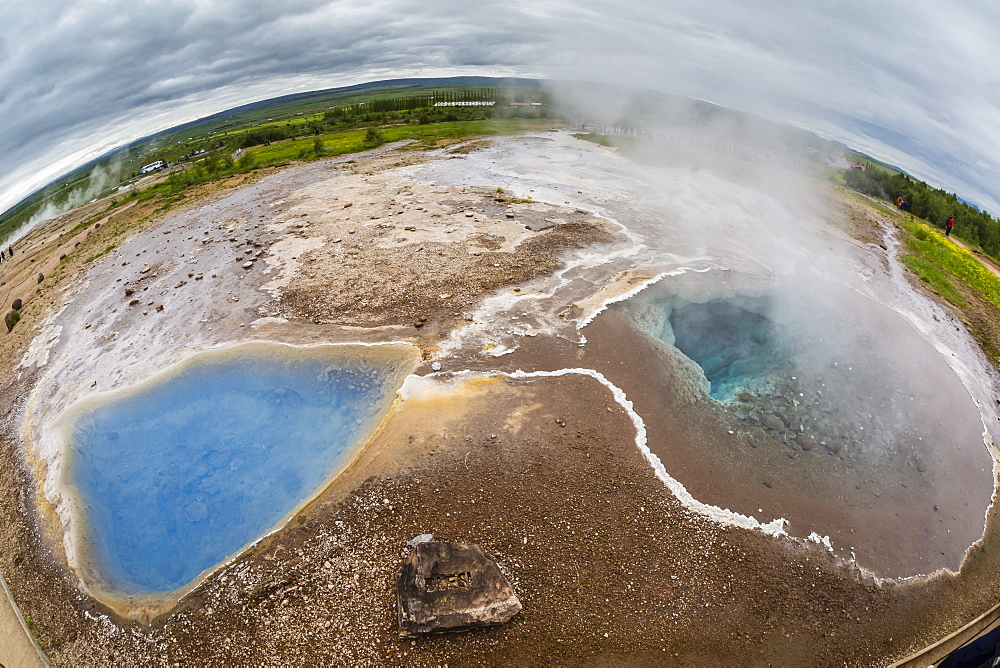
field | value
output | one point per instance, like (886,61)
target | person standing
(948,225)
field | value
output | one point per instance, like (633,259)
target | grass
(101,254)
(929,273)
(90,221)
(929,245)
(603,140)
(332,144)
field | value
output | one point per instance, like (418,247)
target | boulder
(449,587)
(17,305)
(806,442)
(11,319)
(41,277)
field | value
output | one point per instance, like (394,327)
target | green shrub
(373,138)
(11,319)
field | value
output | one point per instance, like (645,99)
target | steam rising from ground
(100,179)
(720,209)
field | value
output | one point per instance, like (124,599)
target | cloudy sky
(916,83)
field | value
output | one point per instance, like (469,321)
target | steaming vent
(736,346)
(823,406)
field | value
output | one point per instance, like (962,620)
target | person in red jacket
(948,225)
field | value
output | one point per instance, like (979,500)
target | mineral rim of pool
(171,477)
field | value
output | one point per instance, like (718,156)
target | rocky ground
(542,472)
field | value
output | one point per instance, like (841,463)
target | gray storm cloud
(915,83)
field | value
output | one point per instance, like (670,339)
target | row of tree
(972,225)
(416,109)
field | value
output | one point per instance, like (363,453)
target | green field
(930,247)
(213,168)
(300,117)
(426,136)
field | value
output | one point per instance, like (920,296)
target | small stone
(422,538)
(446,295)
(469,214)
(349,205)
(146,270)
(435,366)
(248,265)
(806,442)
(772,422)
(134,302)
(159,307)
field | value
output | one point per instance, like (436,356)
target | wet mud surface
(542,472)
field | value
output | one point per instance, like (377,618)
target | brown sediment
(884,510)
(381,252)
(606,563)
(544,473)
(609,567)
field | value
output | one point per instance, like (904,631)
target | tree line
(417,109)
(972,225)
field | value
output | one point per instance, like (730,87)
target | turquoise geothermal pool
(180,473)
(732,343)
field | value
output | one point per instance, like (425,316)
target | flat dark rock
(448,587)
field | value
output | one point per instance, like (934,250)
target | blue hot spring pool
(732,342)
(176,475)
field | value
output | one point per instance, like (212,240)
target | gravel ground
(543,473)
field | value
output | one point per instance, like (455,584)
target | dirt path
(17,647)
(985,261)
